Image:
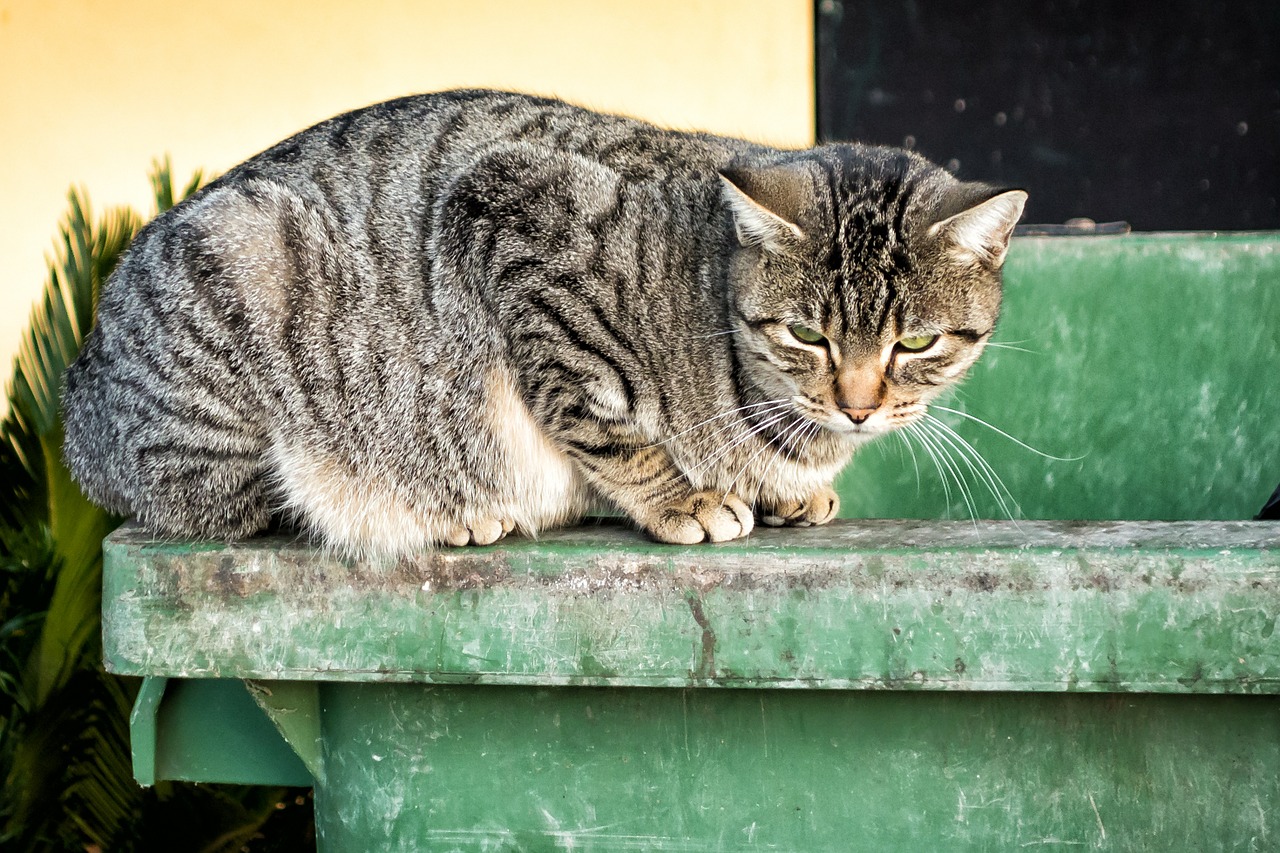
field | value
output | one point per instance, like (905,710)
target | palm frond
(162,186)
(101,796)
(86,254)
(69,774)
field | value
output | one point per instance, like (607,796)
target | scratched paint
(594,769)
(1105,606)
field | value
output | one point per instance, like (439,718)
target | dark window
(1166,115)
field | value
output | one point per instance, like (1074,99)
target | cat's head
(864,280)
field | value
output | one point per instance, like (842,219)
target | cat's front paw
(702,517)
(819,508)
(484,531)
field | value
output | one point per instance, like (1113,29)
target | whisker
(961,483)
(926,444)
(949,462)
(978,458)
(723,455)
(1021,444)
(901,434)
(808,432)
(947,438)
(1013,345)
(767,444)
(764,476)
(791,431)
(718,334)
(686,475)
(809,438)
(759,428)
(774,404)
(975,463)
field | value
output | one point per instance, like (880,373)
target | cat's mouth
(836,420)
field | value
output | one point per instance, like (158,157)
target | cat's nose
(859,415)
(860,388)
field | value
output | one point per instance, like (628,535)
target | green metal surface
(294,708)
(142,729)
(1153,356)
(527,769)
(208,730)
(1171,607)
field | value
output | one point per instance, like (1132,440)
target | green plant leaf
(162,184)
(61,319)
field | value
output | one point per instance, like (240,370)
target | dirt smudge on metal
(706,668)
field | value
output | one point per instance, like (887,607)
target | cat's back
(365,185)
(440,133)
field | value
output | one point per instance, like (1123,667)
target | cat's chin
(862,436)
(855,433)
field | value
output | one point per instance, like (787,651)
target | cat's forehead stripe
(867,253)
(838,257)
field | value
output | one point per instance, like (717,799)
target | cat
(442,318)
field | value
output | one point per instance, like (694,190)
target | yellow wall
(92,90)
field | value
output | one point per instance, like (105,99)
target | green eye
(807,335)
(917,343)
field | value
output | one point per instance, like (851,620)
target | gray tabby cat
(447,317)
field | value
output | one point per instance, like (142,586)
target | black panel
(1165,114)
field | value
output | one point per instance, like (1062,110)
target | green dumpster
(1101,671)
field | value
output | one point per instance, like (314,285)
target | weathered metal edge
(1242,687)
(1183,580)
(842,534)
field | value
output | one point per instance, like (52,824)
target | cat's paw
(819,508)
(702,517)
(484,531)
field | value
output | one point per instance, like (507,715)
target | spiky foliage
(65,773)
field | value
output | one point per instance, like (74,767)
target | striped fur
(444,317)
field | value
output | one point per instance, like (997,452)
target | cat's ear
(765,204)
(982,230)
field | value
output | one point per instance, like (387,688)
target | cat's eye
(806,335)
(917,343)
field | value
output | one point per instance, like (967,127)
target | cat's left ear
(765,204)
(981,232)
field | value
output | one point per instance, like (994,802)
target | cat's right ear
(982,230)
(764,203)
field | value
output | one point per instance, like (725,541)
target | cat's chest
(541,484)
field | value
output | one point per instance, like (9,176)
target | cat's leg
(641,479)
(195,463)
(707,515)
(201,495)
(819,507)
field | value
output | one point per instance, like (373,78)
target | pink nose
(859,415)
